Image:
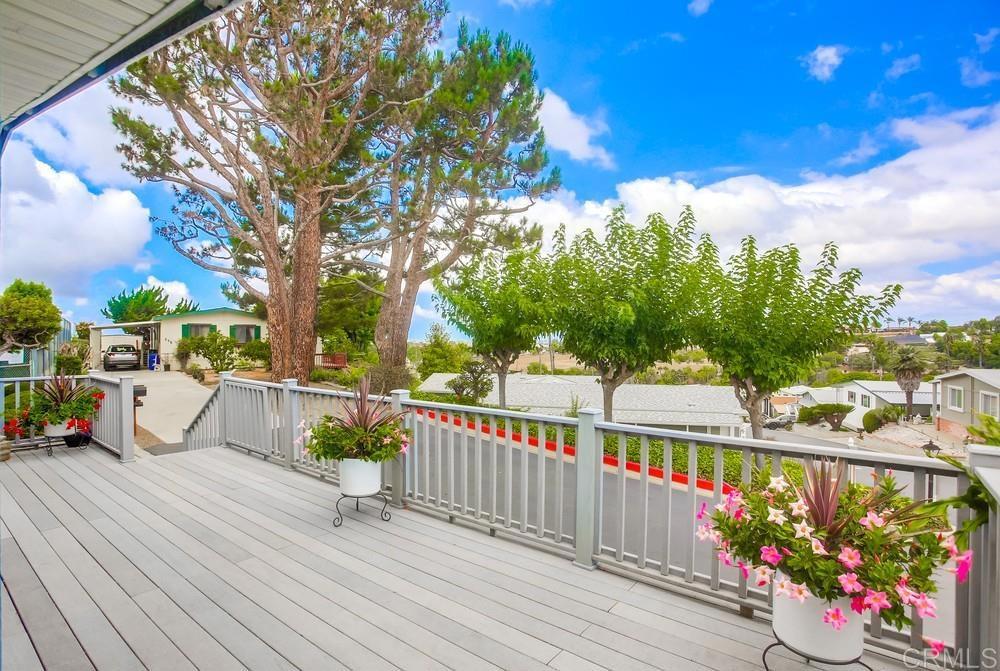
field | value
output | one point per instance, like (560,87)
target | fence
(112,427)
(619,497)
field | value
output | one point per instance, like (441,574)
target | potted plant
(833,550)
(63,407)
(364,435)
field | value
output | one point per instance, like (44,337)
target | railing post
(588,470)
(290,419)
(398,468)
(126,444)
(983,620)
(223,434)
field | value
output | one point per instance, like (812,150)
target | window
(956,399)
(197,330)
(866,401)
(989,404)
(244,333)
(851,397)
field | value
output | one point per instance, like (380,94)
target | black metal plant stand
(385,514)
(809,658)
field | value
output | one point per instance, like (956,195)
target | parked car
(779,422)
(121,356)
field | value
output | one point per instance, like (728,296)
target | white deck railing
(619,497)
(112,427)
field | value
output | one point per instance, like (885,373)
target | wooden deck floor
(215,560)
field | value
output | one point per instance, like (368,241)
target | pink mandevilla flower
(926,606)
(835,618)
(872,520)
(701,510)
(849,583)
(725,557)
(744,569)
(858,604)
(963,564)
(764,575)
(877,601)
(818,547)
(800,593)
(849,557)
(783,587)
(770,554)
(936,646)
(904,593)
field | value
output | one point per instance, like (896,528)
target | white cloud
(824,60)
(699,7)
(974,75)
(934,204)
(81,301)
(867,148)
(574,133)
(522,4)
(426,313)
(58,232)
(902,66)
(984,42)
(175,290)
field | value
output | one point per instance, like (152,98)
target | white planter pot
(58,430)
(801,628)
(360,478)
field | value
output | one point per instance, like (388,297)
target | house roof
(208,311)
(990,376)
(908,339)
(889,391)
(55,49)
(659,404)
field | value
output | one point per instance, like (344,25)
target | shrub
(195,371)
(872,421)
(69,364)
(834,413)
(473,384)
(808,415)
(186,347)
(537,368)
(257,350)
(890,413)
(220,350)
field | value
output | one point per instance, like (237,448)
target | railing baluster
(643,499)
(478,460)
(876,622)
(746,460)
(427,456)
(599,517)
(463,438)
(622,507)
(494,427)
(540,486)
(692,494)
(917,623)
(452,499)
(508,485)
(668,502)
(560,483)
(525,475)
(716,498)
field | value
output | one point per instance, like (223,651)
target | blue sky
(872,124)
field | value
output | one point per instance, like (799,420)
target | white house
(238,324)
(684,407)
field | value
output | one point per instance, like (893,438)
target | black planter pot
(79,439)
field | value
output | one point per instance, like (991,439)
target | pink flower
(936,646)
(704,531)
(744,569)
(858,604)
(904,593)
(835,618)
(926,606)
(783,587)
(818,547)
(702,510)
(770,554)
(741,514)
(764,575)
(849,583)
(877,601)
(725,557)
(872,520)
(947,541)
(963,564)
(849,557)
(799,508)
(404,447)
(800,593)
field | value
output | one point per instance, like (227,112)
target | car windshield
(121,348)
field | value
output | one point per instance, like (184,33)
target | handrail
(496,412)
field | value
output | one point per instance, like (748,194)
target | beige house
(243,326)
(963,395)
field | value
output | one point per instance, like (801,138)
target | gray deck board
(217,560)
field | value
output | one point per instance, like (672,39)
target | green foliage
(345,377)
(988,432)
(473,384)
(83,330)
(196,371)
(185,349)
(764,320)
(142,304)
(890,413)
(28,317)
(833,376)
(62,398)
(537,368)
(347,307)
(69,364)
(441,354)
(933,326)
(872,420)
(622,303)
(498,302)
(364,429)
(808,415)
(257,351)
(220,350)
(833,413)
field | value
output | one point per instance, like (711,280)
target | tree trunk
(909,404)
(392,334)
(608,388)
(751,401)
(502,387)
(552,357)
(756,415)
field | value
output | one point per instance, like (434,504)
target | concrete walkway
(171,402)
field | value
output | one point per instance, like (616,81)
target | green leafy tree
(28,317)
(142,304)
(908,368)
(933,326)
(220,350)
(441,354)
(350,303)
(498,302)
(881,352)
(83,330)
(764,320)
(272,144)
(471,162)
(623,303)
(473,384)
(833,413)
(980,331)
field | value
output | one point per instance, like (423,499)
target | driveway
(171,402)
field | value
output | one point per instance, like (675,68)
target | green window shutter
(256,332)
(212,328)
(185,330)
(232,330)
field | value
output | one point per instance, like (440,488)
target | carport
(150,338)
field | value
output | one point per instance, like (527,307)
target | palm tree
(909,321)
(909,372)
